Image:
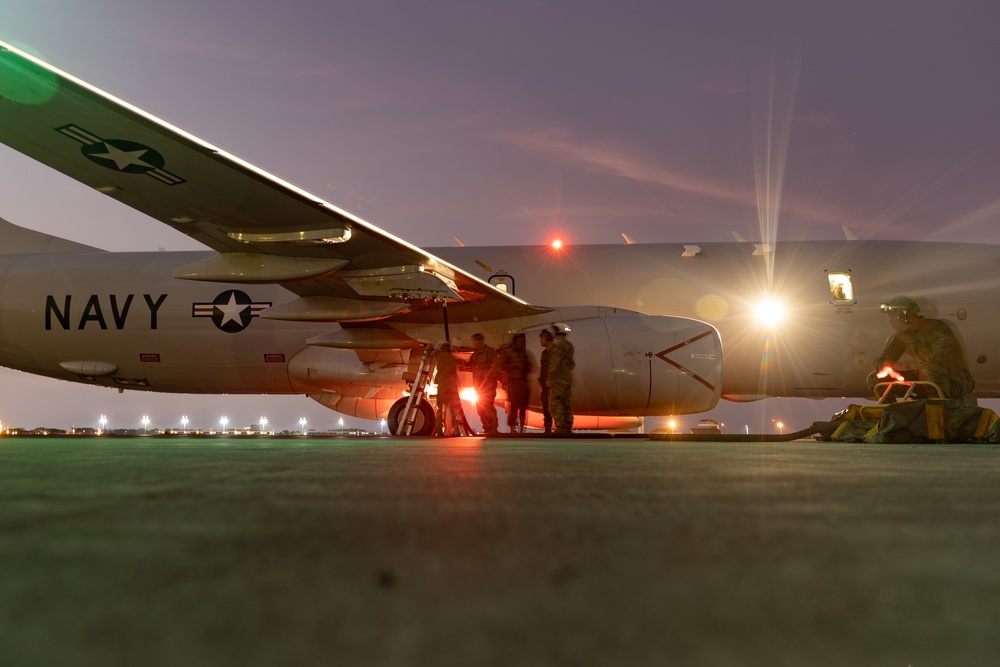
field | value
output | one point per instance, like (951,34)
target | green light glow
(23,81)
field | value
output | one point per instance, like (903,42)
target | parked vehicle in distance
(707,427)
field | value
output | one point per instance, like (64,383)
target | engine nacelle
(643,365)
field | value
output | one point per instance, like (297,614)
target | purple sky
(508,122)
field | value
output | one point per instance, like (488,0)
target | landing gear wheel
(423,423)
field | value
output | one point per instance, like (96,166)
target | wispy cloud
(603,157)
(617,160)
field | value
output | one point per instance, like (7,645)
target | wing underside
(264,229)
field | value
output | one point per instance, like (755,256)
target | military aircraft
(296,296)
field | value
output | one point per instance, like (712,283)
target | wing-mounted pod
(360,383)
(252,268)
(645,365)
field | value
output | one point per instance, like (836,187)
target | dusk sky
(510,122)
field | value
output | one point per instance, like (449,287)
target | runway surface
(497,552)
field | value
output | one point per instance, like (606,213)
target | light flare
(889,371)
(770,312)
(468,394)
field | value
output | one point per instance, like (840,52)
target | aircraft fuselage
(824,345)
(122,320)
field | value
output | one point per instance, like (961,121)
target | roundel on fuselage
(231,311)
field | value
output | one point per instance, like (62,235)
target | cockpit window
(841,289)
(502,282)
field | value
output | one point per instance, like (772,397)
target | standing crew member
(545,339)
(450,415)
(485,373)
(515,366)
(561,365)
(932,345)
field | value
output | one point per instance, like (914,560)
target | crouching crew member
(932,345)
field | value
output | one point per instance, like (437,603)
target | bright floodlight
(468,394)
(557,244)
(769,312)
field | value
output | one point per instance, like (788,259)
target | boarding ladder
(417,391)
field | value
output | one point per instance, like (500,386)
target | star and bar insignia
(121,155)
(231,311)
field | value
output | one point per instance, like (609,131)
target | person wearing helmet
(560,380)
(931,344)
(545,339)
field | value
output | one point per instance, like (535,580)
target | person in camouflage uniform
(450,415)
(485,366)
(932,345)
(515,365)
(546,339)
(560,380)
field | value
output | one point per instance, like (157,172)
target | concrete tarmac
(497,552)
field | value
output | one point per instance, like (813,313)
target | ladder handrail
(909,384)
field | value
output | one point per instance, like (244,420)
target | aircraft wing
(264,229)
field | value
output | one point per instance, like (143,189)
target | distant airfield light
(769,312)
(184,423)
(557,244)
(302,423)
(103,421)
(145,423)
(224,421)
(672,425)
